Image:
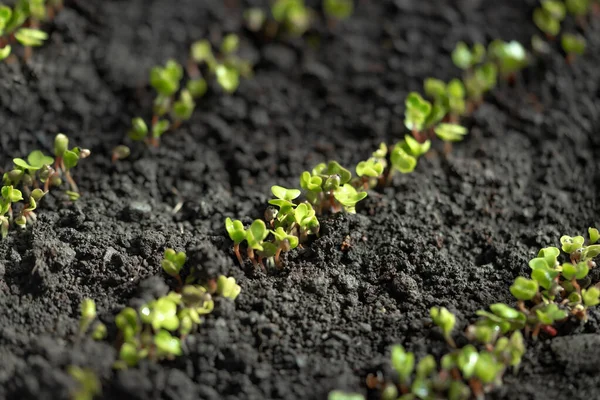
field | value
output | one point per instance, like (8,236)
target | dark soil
(455,233)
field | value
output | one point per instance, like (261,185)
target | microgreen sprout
(339,395)
(120,153)
(549,16)
(510,57)
(227,67)
(462,374)
(172,263)
(554,292)
(290,17)
(237,233)
(227,287)
(446,321)
(573,45)
(30,180)
(338,9)
(155,330)
(20,24)
(88,384)
(88,315)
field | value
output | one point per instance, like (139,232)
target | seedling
(30,180)
(255,236)
(172,263)
(237,233)
(510,57)
(553,293)
(549,16)
(290,17)
(339,395)
(88,384)
(445,320)
(120,152)
(88,315)
(338,9)
(283,242)
(20,24)
(573,45)
(227,287)
(227,67)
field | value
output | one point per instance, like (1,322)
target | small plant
(290,17)
(573,45)
(338,9)
(509,57)
(227,66)
(31,179)
(88,384)
(172,264)
(88,316)
(20,24)
(549,16)
(120,152)
(555,292)
(445,320)
(227,287)
(151,331)
(339,395)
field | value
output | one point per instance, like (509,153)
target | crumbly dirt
(454,233)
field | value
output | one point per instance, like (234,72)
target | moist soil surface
(454,233)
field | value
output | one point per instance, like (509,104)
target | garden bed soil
(454,233)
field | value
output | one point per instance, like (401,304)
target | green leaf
(461,56)
(285,194)
(339,395)
(184,107)
(5,52)
(544,276)
(402,362)
(443,319)
(236,230)
(571,244)
(550,313)
(487,368)
(510,56)
(591,296)
(435,88)
(70,159)
(590,252)
(139,129)
(11,194)
(197,87)
(339,9)
(413,147)
(5,16)
(370,168)
(165,80)
(37,159)
(348,196)
(202,52)
(555,8)
(29,37)
(467,360)
(550,254)
(505,312)
(417,111)
(310,182)
(230,43)
(227,287)
(255,18)
(402,161)
(450,132)
(256,234)
(167,344)
(578,8)
(524,289)
(160,128)
(227,77)
(594,235)
(381,152)
(573,44)
(578,271)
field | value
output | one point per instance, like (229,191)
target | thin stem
(236,250)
